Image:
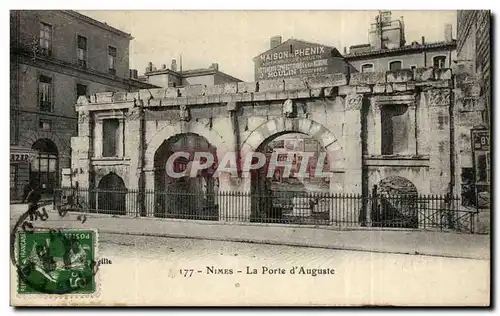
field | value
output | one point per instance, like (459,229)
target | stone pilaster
(352,144)
(438,102)
(412,126)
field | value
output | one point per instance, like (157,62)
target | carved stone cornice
(353,102)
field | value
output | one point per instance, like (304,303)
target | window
(110,130)
(395,65)
(367,68)
(45,39)
(45,125)
(80,90)
(45,93)
(44,168)
(394,129)
(439,62)
(82,51)
(112,60)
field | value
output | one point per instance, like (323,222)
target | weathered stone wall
(342,114)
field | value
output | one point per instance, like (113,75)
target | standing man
(32,195)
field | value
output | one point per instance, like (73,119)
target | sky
(233,38)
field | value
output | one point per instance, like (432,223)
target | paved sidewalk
(389,241)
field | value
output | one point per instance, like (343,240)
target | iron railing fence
(286,207)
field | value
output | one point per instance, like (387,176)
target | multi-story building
(388,50)
(177,77)
(55,57)
(474,107)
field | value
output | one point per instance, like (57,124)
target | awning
(20,154)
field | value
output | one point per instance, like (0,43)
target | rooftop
(94,22)
(404,49)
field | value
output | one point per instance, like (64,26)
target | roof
(335,52)
(404,49)
(98,23)
(191,73)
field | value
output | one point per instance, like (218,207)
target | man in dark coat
(32,195)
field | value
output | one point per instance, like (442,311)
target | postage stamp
(56,262)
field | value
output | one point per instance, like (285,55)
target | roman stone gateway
(371,126)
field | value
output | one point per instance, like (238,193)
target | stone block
(332,80)
(271,96)
(346,90)
(154,102)
(132,96)
(225,98)
(363,89)
(157,93)
(193,90)
(246,97)
(120,96)
(236,97)
(169,101)
(306,93)
(182,101)
(379,88)
(230,87)
(201,100)
(214,98)
(401,75)
(232,106)
(367,78)
(93,98)
(211,90)
(271,85)
(259,96)
(295,84)
(104,97)
(291,95)
(442,74)
(144,94)
(246,87)
(399,86)
(260,110)
(171,93)
(423,74)
(388,88)
(317,92)
(280,95)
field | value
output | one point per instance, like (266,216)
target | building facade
(387,48)
(177,77)
(392,129)
(474,107)
(57,56)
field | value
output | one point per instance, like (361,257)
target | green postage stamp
(56,262)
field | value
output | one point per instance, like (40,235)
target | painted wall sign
(295,58)
(20,158)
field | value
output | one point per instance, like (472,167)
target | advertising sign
(295,58)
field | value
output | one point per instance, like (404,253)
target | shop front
(20,159)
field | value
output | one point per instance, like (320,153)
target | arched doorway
(396,203)
(185,197)
(111,195)
(44,168)
(284,197)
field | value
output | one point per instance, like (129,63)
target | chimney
(149,67)
(136,75)
(423,40)
(275,41)
(345,50)
(163,66)
(214,66)
(448,32)
(173,67)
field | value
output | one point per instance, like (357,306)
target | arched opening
(111,195)
(184,197)
(44,168)
(282,194)
(396,203)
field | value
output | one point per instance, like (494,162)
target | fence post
(375,207)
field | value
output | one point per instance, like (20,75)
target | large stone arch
(169,131)
(282,125)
